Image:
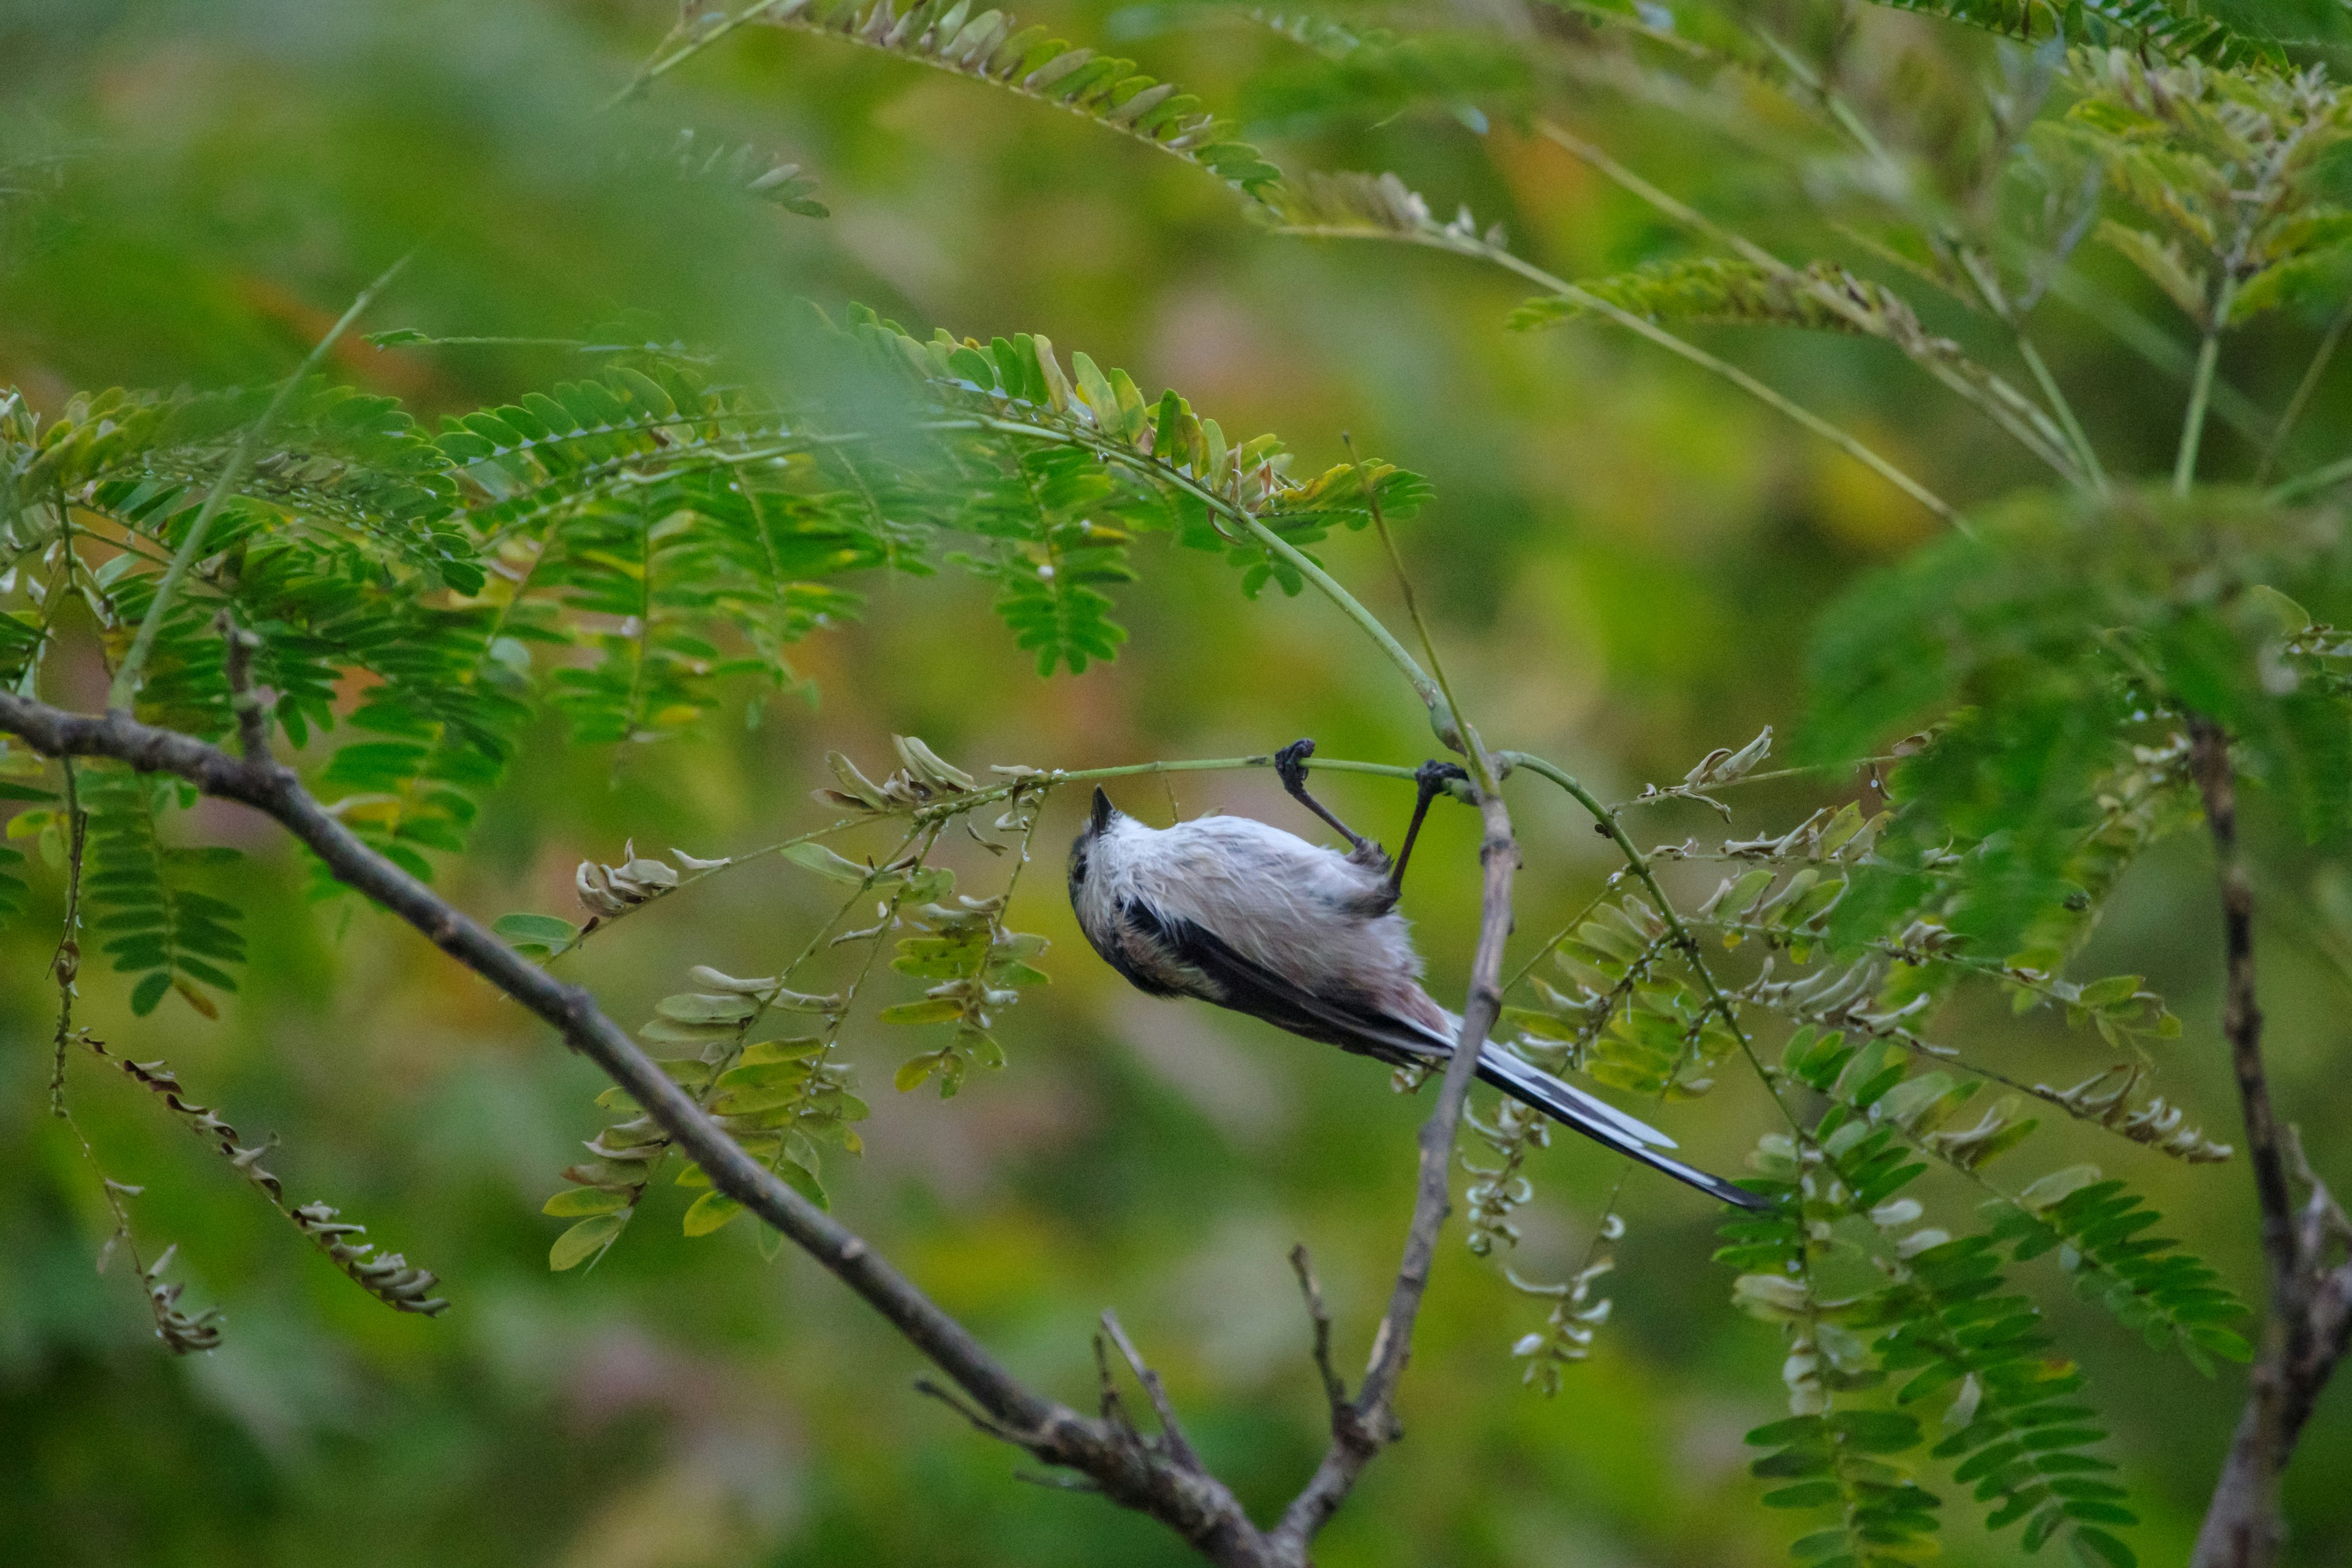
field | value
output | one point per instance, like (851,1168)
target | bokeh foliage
(1632,561)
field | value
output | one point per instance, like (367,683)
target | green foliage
(741,167)
(1879,1107)
(1055,554)
(445,713)
(775,1096)
(1379,205)
(2148,1283)
(1723,290)
(2060,647)
(154,922)
(1577,1312)
(1166,468)
(990,46)
(1635,1020)
(536,936)
(1371,74)
(339,463)
(1881,1310)
(2186,32)
(2233,171)
(20,644)
(632,548)
(1884,1517)
(977,969)
(2105,1098)
(1822,296)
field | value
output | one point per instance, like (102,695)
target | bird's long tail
(1603,1122)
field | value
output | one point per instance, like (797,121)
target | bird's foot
(1433,776)
(1290,764)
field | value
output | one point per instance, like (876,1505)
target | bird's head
(1098,822)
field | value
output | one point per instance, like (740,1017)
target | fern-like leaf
(338,462)
(1821,296)
(2176,32)
(990,46)
(976,968)
(2147,1282)
(154,923)
(1722,291)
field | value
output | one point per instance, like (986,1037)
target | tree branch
(2310,1318)
(1362,1427)
(1162,1477)
(1193,1504)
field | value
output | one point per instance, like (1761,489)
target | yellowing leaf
(584,1240)
(710,1211)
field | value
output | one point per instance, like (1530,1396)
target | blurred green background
(1623,565)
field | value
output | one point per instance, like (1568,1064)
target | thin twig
(252,715)
(182,1332)
(2159,349)
(65,964)
(659,65)
(1172,1432)
(1412,606)
(925,1386)
(1605,823)
(1335,1388)
(388,1277)
(1441,717)
(2084,452)
(1056,1483)
(2201,389)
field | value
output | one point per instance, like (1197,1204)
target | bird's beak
(1103,811)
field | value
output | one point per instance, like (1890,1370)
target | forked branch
(1362,1426)
(1161,1477)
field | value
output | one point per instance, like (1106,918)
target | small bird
(1242,914)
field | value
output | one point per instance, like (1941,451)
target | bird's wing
(1248,986)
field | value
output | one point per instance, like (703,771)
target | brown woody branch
(2309,1323)
(1362,1427)
(1162,1477)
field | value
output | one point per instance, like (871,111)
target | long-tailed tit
(1235,912)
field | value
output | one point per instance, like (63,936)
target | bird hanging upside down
(1233,912)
